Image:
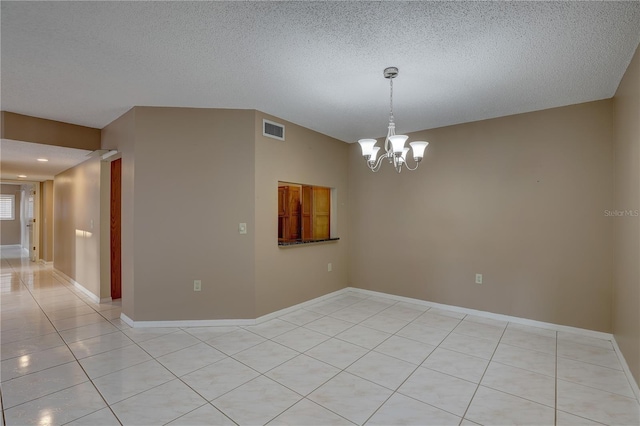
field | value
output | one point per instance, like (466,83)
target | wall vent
(272,130)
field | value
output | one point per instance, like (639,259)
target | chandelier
(395,151)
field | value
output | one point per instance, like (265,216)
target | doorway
(116,229)
(29,212)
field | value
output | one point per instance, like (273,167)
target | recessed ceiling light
(22,176)
(42,160)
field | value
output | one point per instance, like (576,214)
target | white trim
(109,154)
(627,371)
(230,322)
(484,314)
(491,315)
(126,319)
(191,323)
(272,315)
(106,299)
(45,263)
(77,285)
(285,311)
(10,246)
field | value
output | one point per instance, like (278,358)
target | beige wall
(10,229)
(626,287)
(49,132)
(77,224)
(46,221)
(120,135)
(519,199)
(291,275)
(194,182)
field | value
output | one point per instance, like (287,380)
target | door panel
(321,212)
(116,229)
(307,202)
(294,213)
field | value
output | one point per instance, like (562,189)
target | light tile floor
(352,359)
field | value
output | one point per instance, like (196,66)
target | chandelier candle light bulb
(395,151)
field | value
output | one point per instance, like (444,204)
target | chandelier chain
(393,149)
(391,119)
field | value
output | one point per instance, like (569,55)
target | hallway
(350,359)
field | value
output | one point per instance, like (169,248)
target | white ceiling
(18,158)
(318,64)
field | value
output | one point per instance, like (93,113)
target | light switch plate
(242,228)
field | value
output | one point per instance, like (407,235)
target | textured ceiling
(318,64)
(22,158)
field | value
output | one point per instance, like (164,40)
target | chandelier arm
(409,168)
(397,159)
(379,162)
(396,164)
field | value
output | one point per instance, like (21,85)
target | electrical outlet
(478,278)
(242,228)
(197,285)
(329,267)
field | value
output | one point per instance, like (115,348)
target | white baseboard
(491,315)
(106,300)
(290,309)
(627,371)
(228,322)
(45,263)
(11,246)
(467,311)
(94,298)
(126,319)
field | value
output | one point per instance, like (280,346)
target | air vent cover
(272,130)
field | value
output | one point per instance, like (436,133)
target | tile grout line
(485,372)
(69,349)
(344,370)
(418,366)
(43,296)
(303,397)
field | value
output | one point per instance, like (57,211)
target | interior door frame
(115,228)
(26,187)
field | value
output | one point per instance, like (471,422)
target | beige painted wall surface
(105,229)
(626,290)
(10,229)
(77,224)
(49,132)
(194,182)
(519,199)
(120,134)
(46,220)
(287,276)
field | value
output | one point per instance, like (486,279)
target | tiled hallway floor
(352,359)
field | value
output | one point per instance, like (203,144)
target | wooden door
(282,212)
(294,213)
(307,202)
(321,212)
(116,229)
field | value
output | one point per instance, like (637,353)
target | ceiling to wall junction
(318,64)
